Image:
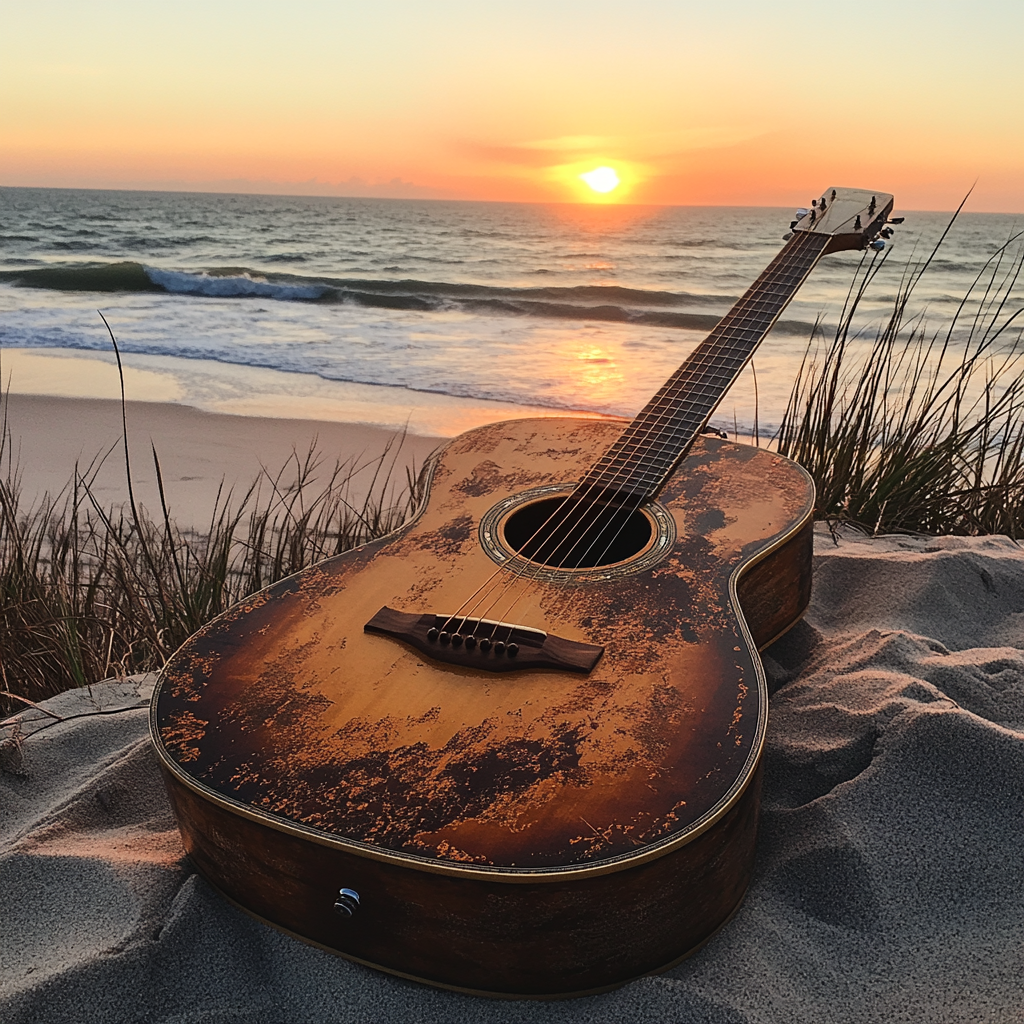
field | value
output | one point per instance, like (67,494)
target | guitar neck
(637,465)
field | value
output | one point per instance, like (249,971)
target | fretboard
(637,465)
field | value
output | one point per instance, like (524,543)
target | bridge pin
(499,648)
(485,644)
(512,650)
(456,640)
(444,637)
(470,642)
(433,634)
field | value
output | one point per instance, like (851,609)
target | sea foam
(240,286)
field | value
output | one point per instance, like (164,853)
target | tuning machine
(878,243)
(798,216)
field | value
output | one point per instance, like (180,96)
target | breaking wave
(611,303)
(239,286)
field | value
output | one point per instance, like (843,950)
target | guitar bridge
(484,644)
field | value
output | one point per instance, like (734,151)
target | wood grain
(495,935)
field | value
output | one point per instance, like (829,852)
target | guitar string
(569,597)
(767,278)
(728,353)
(575,500)
(772,291)
(765,292)
(566,508)
(713,370)
(783,271)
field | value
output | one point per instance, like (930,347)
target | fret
(647,451)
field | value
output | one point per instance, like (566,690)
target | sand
(198,451)
(889,883)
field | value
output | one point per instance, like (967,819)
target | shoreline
(253,391)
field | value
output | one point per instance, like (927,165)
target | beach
(887,887)
(888,880)
(536,490)
(203,455)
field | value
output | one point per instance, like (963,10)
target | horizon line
(436,199)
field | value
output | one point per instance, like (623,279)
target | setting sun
(601,179)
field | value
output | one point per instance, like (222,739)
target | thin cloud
(652,148)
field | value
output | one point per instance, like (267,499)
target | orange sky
(736,102)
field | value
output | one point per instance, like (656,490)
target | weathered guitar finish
(550,799)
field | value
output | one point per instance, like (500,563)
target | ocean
(236,299)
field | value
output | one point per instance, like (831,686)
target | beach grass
(88,592)
(918,427)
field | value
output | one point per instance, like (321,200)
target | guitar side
(533,832)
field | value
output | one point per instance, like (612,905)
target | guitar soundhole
(563,534)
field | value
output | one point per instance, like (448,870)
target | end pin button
(347,902)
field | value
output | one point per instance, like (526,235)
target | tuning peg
(878,245)
(896,220)
(886,232)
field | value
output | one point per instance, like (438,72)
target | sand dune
(890,874)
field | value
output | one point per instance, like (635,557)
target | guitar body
(523,832)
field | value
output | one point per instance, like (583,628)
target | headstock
(853,217)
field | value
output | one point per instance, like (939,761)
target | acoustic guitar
(514,747)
